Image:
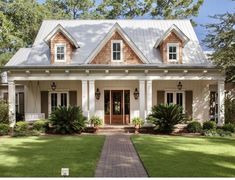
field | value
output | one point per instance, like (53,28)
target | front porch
(116,103)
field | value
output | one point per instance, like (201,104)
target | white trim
(55,56)
(58,99)
(121,57)
(177,52)
(174,96)
(116,28)
(177,31)
(60,28)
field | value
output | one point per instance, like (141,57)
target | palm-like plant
(165,117)
(67,120)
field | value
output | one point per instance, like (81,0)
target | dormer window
(116,51)
(60,50)
(173,52)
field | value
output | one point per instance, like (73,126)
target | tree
(221,39)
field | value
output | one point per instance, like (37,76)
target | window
(116,50)
(175,97)
(172,51)
(58,99)
(60,50)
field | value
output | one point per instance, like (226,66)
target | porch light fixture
(136,94)
(53,86)
(179,86)
(97,94)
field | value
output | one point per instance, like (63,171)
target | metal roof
(89,34)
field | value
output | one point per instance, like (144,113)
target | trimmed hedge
(194,127)
(21,128)
(41,125)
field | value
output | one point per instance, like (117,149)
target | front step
(115,129)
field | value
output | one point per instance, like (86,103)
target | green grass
(45,156)
(175,156)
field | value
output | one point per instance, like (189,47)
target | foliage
(216,132)
(221,38)
(138,122)
(209,125)
(4,117)
(194,127)
(96,121)
(229,127)
(21,128)
(41,125)
(229,104)
(67,120)
(4,129)
(165,117)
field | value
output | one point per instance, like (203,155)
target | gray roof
(90,33)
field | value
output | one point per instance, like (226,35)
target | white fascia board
(177,31)
(60,28)
(116,27)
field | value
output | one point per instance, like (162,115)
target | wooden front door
(117,107)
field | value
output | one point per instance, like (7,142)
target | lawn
(175,156)
(45,156)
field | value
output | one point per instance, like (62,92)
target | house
(116,69)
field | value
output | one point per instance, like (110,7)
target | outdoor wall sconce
(136,94)
(179,85)
(97,94)
(53,86)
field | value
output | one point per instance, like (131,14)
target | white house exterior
(71,60)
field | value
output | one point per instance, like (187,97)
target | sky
(209,8)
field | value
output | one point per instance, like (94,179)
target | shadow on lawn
(187,156)
(45,156)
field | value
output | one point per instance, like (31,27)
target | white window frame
(175,97)
(57,45)
(177,52)
(116,41)
(58,99)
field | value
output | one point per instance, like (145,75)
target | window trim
(60,44)
(175,97)
(177,52)
(116,41)
(58,99)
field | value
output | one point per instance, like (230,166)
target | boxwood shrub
(4,129)
(229,127)
(209,125)
(194,127)
(21,128)
(41,125)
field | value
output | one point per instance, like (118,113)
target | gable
(104,55)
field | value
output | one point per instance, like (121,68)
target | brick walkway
(119,159)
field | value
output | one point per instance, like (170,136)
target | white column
(84,98)
(142,99)
(220,103)
(11,101)
(91,98)
(149,96)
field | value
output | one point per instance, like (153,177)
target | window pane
(179,99)
(107,102)
(170,49)
(63,99)
(118,56)
(170,56)
(114,47)
(169,98)
(114,55)
(174,56)
(118,47)
(173,49)
(53,101)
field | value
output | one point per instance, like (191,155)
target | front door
(117,106)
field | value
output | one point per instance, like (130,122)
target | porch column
(149,96)
(142,99)
(220,103)
(84,98)
(11,101)
(91,98)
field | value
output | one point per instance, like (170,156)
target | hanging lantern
(179,86)
(136,94)
(53,86)
(97,94)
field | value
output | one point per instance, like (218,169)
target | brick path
(119,159)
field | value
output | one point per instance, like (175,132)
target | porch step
(115,129)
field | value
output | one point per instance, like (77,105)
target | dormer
(61,44)
(171,45)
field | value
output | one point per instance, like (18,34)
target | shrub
(229,127)
(40,125)
(194,127)
(216,132)
(209,125)
(96,121)
(21,128)
(229,104)
(4,129)
(165,117)
(67,120)
(4,118)
(138,122)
